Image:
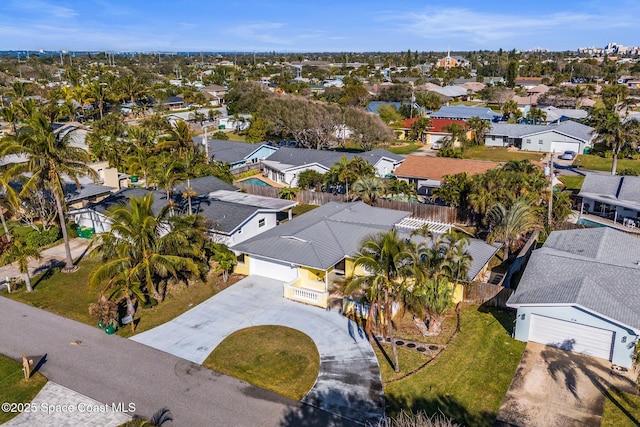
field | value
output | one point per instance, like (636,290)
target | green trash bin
(109,330)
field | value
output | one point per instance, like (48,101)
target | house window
(528,141)
(540,142)
(262,223)
(240,258)
(493,137)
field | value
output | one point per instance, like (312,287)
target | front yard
(499,154)
(598,163)
(14,388)
(468,380)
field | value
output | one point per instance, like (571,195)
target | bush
(450,152)
(628,172)
(38,238)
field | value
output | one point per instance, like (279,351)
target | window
(262,223)
(528,141)
(493,137)
(540,142)
(240,258)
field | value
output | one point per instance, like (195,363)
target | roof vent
(294,238)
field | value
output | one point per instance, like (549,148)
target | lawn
(572,182)
(276,358)
(405,148)
(14,388)
(468,381)
(597,163)
(69,295)
(628,414)
(499,154)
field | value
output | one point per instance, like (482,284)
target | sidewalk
(50,258)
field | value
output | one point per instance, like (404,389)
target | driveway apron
(349,382)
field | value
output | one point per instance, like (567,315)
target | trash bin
(134,178)
(110,329)
(222,127)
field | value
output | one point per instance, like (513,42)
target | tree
(384,256)
(225,259)
(511,111)
(49,159)
(480,127)
(615,134)
(536,115)
(369,189)
(348,171)
(180,138)
(419,129)
(429,100)
(145,245)
(310,179)
(389,114)
(21,253)
(289,193)
(510,224)
(512,73)
(167,173)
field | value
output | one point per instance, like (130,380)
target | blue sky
(330,25)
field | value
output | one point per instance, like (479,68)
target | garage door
(272,269)
(571,336)
(561,147)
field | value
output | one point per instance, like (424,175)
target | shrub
(149,303)
(38,238)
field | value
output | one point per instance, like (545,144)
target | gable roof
(204,185)
(262,202)
(618,190)
(288,157)
(464,113)
(597,269)
(73,194)
(435,168)
(568,128)
(322,237)
(438,125)
(223,216)
(229,151)
(123,196)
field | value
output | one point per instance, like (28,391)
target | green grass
(276,358)
(498,154)
(68,295)
(301,209)
(572,182)
(406,148)
(629,415)
(597,163)
(235,137)
(14,388)
(469,379)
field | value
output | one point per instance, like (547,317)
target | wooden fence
(245,168)
(429,212)
(487,294)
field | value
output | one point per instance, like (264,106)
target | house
(426,173)
(460,112)
(203,186)
(215,94)
(452,62)
(284,166)
(236,217)
(580,293)
(308,251)
(236,153)
(557,137)
(438,131)
(174,102)
(614,197)
(560,114)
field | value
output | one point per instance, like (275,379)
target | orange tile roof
(437,125)
(437,167)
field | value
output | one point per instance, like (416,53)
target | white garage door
(272,269)
(571,336)
(561,147)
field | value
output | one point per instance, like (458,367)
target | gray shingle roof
(618,190)
(72,193)
(322,237)
(595,268)
(223,216)
(568,127)
(205,185)
(122,198)
(269,203)
(228,151)
(290,156)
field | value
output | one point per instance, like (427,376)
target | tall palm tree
(385,258)
(12,115)
(616,134)
(49,159)
(419,129)
(180,138)
(21,253)
(510,224)
(145,245)
(167,173)
(369,189)
(121,286)
(480,127)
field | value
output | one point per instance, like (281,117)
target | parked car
(568,155)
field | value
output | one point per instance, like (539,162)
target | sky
(312,26)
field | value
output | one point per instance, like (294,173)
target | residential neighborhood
(283,236)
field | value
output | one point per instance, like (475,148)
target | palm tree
(145,245)
(385,258)
(480,127)
(167,173)
(615,134)
(225,259)
(289,193)
(49,158)
(509,225)
(419,129)
(121,286)
(369,189)
(180,137)
(535,115)
(21,253)
(12,115)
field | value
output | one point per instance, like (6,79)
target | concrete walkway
(56,405)
(349,382)
(50,258)
(111,369)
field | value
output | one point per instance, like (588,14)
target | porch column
(615,215)
(290,214)
(326,281)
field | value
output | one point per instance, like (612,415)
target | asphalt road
(114,369)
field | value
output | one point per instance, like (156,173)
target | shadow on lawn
(445,404)
(506,317)
(309,415)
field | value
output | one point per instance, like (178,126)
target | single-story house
(557,137)
(284,166)
(460,112)
(614,197)
(303,253)
(203,186)
(560,114)
(174,102)
(437,132)
(236,153)
(426,173)
(580,293)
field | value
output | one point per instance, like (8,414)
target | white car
(568,155)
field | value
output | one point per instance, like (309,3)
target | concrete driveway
(349,382)
(552,387)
